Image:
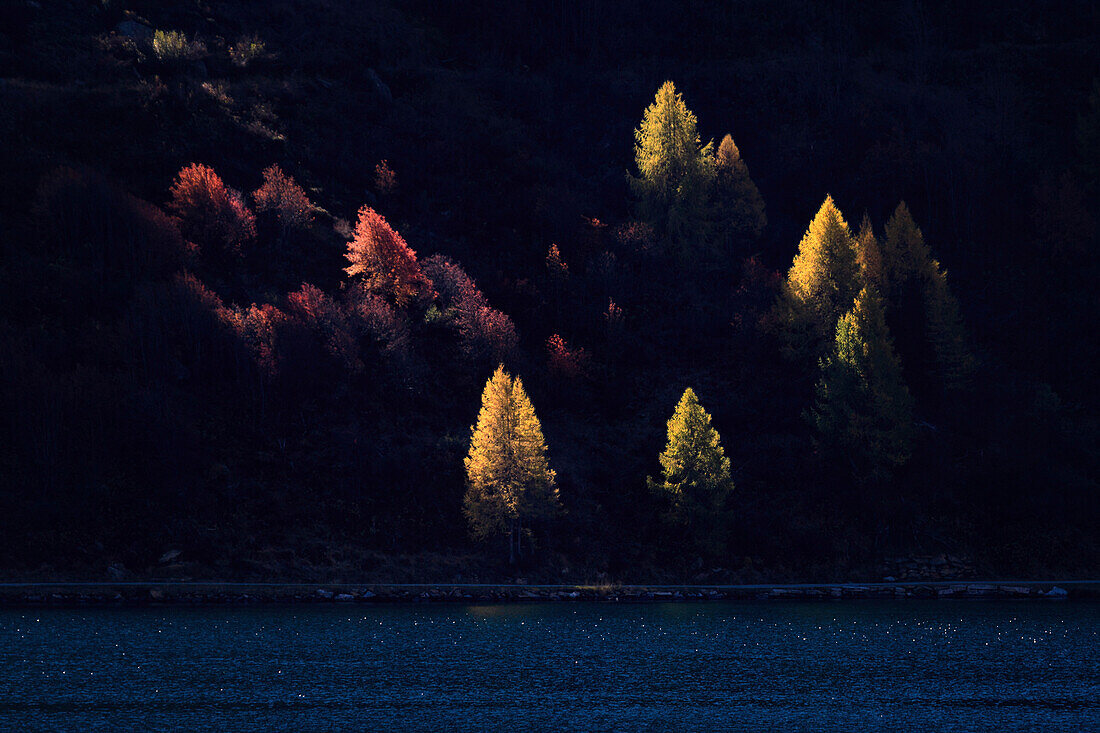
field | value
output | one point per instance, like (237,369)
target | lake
(862,665)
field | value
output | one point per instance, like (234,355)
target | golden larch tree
(869,256)
(509,482)
(675,170)
(821,285)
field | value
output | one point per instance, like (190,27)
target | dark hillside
(201,374)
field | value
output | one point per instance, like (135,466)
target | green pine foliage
(738,204)
(695,475)
(922,307)
(946,334)
(675,170)
(863,411)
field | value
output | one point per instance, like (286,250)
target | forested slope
(260,259)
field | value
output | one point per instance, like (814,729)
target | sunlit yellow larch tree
(738,203)
(863,411)
(675,170)
(869,256)
(695,475)
(509,482)
(821,284)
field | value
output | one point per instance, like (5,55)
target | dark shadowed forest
(822,307)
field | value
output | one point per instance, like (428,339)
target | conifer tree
(696,474)
(739,205)
(924,314)
(863,410)
(509,482)
(385,261)
(905,255)
(675,170)
(955,363)
(869,256)
(821,285)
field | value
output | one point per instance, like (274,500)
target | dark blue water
(842,666)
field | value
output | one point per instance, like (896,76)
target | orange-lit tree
(211,214)
(564,361)
(821,284)
(384,261)
(283,196)
(869,256)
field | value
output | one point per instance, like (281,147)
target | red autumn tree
(564,361)
(324,317)
(385,180)
(454,287)
(485,332)
(375,319)
(258,327)
(636,236)
(282,195)
(555,265)
(384,260)
(211,213)
(488,334)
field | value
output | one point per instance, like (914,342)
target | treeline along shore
(134,593)
(469,291)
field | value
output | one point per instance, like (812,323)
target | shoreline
(220,593)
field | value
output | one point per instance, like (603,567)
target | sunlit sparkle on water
(714,666)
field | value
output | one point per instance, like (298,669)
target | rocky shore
(65,594)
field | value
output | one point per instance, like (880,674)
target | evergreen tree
(869,256)
(696,475)
(905,256)
(955,363)
(674,170)
(923,313)
(739,206)
(821,284)
(509,482)
(863,410)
